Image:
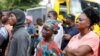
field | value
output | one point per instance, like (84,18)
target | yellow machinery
(75,7)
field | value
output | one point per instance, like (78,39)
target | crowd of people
(20,37)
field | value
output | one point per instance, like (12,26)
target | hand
(36,35)
(67,36)
(67,51)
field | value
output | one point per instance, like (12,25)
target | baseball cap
(70,16)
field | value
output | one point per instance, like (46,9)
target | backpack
(4,39)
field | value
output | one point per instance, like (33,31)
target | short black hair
(54,13)
(93,15)
(70,16)
(0,15)
(39,20)
(8,14)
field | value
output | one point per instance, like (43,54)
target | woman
(47,47)
(52,15)
(86,43)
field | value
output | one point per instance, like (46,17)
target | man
(69,30)
(32,31)
(8,27)
(20,42)
(6,22)
(3,36)
(39,22)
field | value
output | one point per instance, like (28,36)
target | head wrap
(53,24)
(29,18)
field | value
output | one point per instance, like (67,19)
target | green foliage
(19,4)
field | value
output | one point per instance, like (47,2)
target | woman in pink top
(86,43)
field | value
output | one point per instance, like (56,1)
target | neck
(48,39)
(84,31)
(71,24)
(7,23)
(29,24)
(39,24)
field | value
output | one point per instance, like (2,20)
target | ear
(88,24)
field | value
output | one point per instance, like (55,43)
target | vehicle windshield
(85,4)
(63,9)
(76,6)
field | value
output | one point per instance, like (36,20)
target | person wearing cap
(20,43)
(29,25)
(70,30)
(32,31)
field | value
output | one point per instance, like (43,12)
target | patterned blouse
(48,49)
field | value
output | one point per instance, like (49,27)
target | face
(83,22)
(40,22)
(47,32)
(50,16)
(5,17)
(27,21)
(12,19)
(66,21)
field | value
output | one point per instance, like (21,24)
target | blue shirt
(71,30)
(31,29)
(3,34)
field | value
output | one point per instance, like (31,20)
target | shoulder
(74,28)
(53,44)
(92,35)
(3,32)
(75,36)
(41,42)
(21,33)
(32,26)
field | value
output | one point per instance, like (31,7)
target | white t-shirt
(40,30)
(59,35)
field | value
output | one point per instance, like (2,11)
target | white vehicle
(37,12)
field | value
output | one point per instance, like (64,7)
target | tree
(19,4)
